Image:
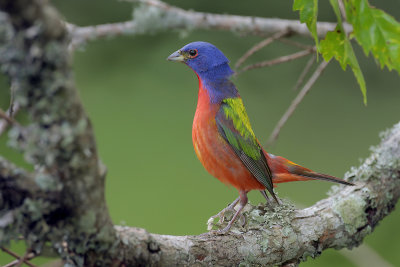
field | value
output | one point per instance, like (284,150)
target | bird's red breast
(213,151)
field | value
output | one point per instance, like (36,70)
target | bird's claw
(221,216)
(242,219)
(217,232)
(222,231)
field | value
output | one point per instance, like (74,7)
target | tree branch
(294,43)
(154,16)
(278,60)
(259,46)
(304,73)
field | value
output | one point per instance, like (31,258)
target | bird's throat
(217,83)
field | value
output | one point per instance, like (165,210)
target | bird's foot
(227,228)
(225,216)
(217,232)
(222,231)
(226,213)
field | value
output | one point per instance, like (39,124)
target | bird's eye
(193,53)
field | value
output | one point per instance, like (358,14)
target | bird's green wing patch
(241,136)
(234,126)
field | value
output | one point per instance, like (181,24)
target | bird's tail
(286,171)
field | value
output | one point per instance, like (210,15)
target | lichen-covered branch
(153,16)
(61,202)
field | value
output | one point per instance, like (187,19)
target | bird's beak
(176,56)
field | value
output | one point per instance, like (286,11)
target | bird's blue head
(211,66)
(203,57)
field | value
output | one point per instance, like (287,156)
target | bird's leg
(269,202)
(222,213)
(265,195)
(243,202)
(233,204)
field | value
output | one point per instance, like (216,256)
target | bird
(223,138)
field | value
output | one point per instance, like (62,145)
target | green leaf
(308,10)
(333,46)
(376,31)
(355,67)
(336,44)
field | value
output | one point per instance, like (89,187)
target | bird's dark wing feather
(234,126)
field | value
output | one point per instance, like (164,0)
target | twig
(11,264)
(12,110)
(7,118)
(260,45)
(294,43)
(25,259)
(278,60)
(296,102)
(4,123)
(12,93)
(304,73)
(80,35)
(15,262)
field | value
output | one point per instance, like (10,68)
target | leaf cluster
(375,31)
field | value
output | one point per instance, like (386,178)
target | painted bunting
(222,135)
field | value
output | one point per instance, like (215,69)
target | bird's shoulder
(234,124)
(234,111)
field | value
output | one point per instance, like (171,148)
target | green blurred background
(142,108)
